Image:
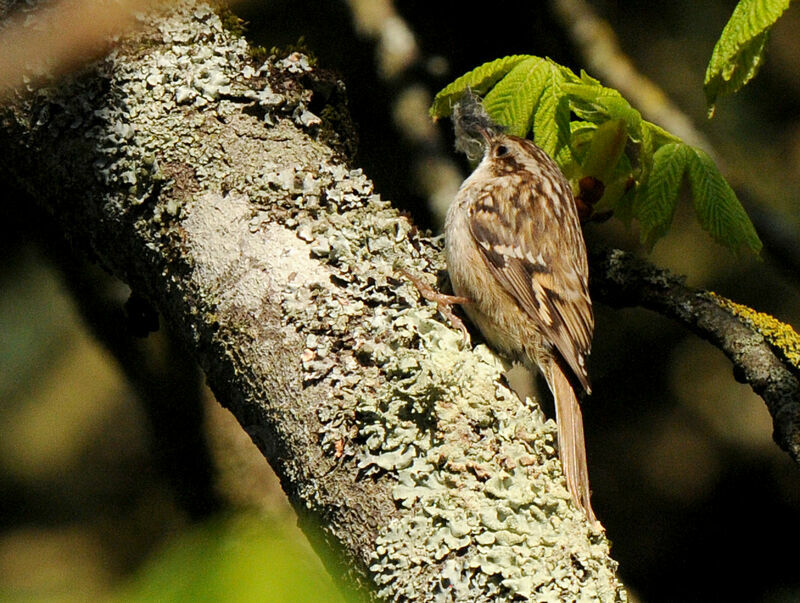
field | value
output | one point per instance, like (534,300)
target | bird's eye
(501,151)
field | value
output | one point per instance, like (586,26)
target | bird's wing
(535,249)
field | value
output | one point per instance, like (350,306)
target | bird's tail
(571,442)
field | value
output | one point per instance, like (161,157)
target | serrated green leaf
(741,69)
(587,79)
(479,79)
(579,128)
(655,202)
(651,137)
(646,150)
(739,52)
(551,129)
(592,102)
(513,100)
(659,134)
(718,209)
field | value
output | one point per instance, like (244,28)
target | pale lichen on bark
(200,179)
(477,481)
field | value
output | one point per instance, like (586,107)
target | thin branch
(621,280)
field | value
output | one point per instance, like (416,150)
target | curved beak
(487,134)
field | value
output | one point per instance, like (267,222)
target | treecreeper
(517,263)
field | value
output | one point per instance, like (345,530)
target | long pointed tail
(571,442)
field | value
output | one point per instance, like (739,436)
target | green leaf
(718,209)
(655,202)
(480,80)
(651,137)
(551,110)
(605,149)
(739,52)
(659,134)
(512,102)
(646,150)
(595,103)
(551,125)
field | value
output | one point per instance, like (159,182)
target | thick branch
(619,279)
(203,182)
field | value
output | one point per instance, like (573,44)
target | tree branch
(203,181)
(621,280)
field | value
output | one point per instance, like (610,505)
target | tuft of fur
(472,124)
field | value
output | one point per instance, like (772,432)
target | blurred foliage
(245,557)
(83,499)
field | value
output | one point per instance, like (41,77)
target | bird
(517,262)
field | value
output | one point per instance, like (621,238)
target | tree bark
(207,182)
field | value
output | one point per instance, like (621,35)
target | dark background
(698,501)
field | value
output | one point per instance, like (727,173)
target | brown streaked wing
(547,281)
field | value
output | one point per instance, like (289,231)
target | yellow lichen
(778,334)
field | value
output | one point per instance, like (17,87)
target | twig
(620,279)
